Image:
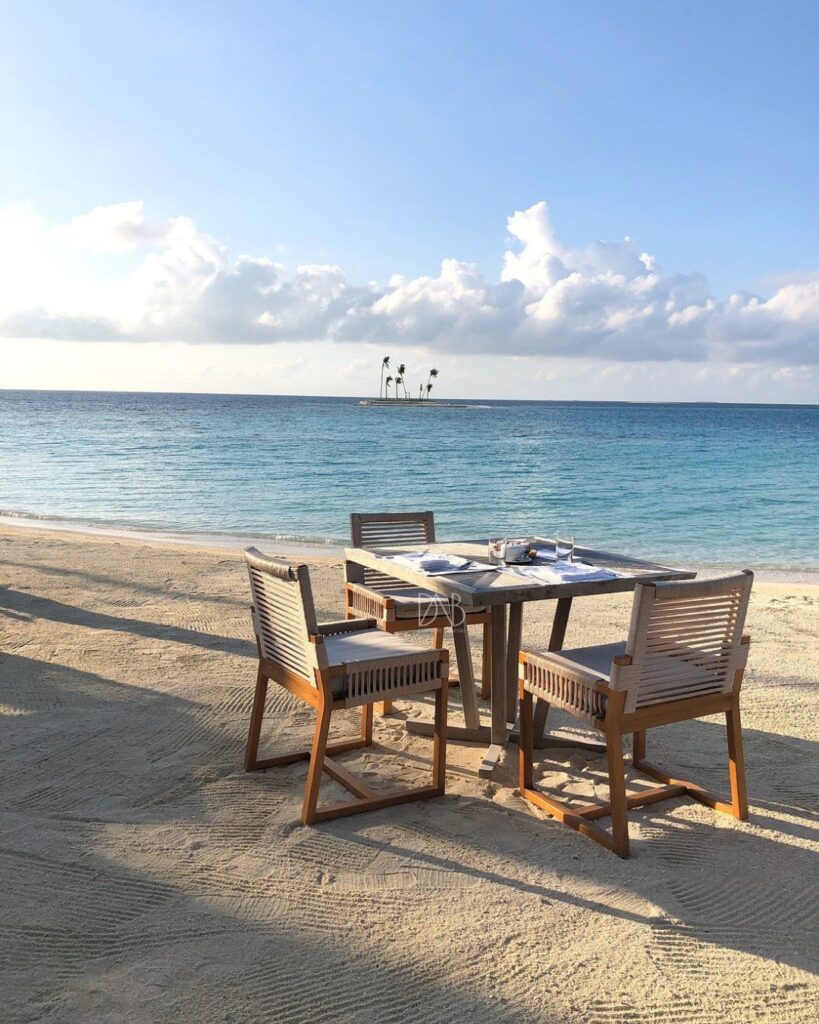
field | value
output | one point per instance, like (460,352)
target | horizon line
(438,398)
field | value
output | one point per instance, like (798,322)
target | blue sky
(384,138)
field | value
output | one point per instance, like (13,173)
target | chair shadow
(75,913)
(692,907)
(181,764)
(764,907)
(118,581)
(188,948)
(21,605)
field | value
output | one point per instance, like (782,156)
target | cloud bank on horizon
(115,274)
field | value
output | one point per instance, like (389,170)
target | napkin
(438,564)
(561,572)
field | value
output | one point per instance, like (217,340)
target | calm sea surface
(692,483)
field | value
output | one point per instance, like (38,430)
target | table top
(480,589)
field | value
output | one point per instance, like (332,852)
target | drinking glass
(564,546)
(497,550)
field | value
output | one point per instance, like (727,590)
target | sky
(608,200)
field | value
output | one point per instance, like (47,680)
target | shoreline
(211,542)
(318,551)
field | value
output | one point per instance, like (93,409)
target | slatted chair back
(685,640)
(390,530)
(284,616)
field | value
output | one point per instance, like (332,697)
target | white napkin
(561,572)
(438,564)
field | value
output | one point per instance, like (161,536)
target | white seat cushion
(595,659)
(367,645)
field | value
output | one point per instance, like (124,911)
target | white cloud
(117,228)
(607,300)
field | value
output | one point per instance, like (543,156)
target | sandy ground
(146,878)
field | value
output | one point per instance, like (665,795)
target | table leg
(512,654)
(498,614)
(472,731)
(468,695)
(486,675)
(500,730)
(558,635)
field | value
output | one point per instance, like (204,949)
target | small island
(403,398)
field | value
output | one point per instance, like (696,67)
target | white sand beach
(146,878)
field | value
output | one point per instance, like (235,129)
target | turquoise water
(696,484)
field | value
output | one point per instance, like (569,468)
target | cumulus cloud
(117,228)
(607,300)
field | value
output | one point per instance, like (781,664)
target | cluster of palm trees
(400,379)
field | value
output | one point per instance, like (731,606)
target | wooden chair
(684,658)
(398,606)
(332,666)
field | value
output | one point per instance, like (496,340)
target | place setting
(438,563)
(532,558)
(546,561)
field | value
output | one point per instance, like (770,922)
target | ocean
(692,484)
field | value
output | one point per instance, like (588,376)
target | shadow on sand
(239,911)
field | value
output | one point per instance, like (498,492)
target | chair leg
(439,740)
(438,638)
(525,742)
(486,672)
(575,818)
(736,763)
(738,806)
(617,792)
(367,723)
(638,747)
(308,814)
(367,798)
(256,716)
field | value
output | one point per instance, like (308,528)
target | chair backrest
(283,613)
(685,640)
(386,530)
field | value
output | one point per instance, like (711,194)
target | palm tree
(385,362)
(421,391)
(429,388)
(400,379)
(387,383)
(432,374)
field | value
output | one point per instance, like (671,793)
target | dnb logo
(448,607)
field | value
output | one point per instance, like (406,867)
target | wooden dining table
(504,594)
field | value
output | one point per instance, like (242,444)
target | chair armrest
(368,601)
(562,667)
(565,685)
(345,626)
